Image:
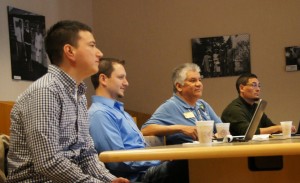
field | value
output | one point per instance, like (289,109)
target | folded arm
(162,130)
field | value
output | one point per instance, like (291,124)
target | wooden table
(222,162)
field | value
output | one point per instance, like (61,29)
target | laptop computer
(259,111)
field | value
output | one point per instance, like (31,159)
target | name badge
(189,115)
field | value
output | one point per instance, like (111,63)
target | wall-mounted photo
(26,37)
(223,55)
(292,58)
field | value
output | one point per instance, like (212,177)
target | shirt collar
(249,106)
(108,102)
(186,105)
(67,81)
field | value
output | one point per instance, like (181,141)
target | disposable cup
(222,129)
(205,132)
(286,129)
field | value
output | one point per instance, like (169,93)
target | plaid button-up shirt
(49,136)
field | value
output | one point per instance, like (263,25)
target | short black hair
(105,67)
(62,33)
(243,80)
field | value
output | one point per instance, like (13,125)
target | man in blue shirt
(176,118)
(114,129)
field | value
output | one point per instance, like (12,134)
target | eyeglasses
(254,85)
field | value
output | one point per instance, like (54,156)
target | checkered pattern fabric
(50,139)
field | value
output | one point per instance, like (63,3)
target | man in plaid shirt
(50,139)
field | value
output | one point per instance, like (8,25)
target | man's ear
(102,79)
(241,87)
(69,51)
(178,87)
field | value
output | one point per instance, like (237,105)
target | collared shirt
(239,114)
(175,111)
(49,136)
(112,128)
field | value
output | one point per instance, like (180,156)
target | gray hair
(179,73)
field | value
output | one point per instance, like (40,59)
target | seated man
(49,137)
(176,118)
(114,129)
(240,111)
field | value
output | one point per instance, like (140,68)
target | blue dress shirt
(112,128)
(175,111)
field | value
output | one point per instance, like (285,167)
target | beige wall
(53,10)
(155,36)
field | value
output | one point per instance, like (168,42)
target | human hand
(293,129)
(189,131)
(279,129)
(216,135)
(120,180)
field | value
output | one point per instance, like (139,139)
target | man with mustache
(176,118)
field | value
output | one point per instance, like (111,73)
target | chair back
(4,145)
(5,108)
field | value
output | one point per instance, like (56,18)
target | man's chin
(120,96)
(199,94)
(256,99)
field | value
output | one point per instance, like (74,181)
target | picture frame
(292,58)
(222,56)
(26,38)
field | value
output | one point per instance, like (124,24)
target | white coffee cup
(286,129)
(222,129)
(205,131)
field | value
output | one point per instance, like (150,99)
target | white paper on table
(261,137)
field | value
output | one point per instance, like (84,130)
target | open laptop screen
(259,111)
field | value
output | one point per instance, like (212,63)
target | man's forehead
(86,35)
(253,80)
(192,74)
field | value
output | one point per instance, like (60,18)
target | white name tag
(189,115)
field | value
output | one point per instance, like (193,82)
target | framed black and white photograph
(222,55)
(26,37)
(292,58)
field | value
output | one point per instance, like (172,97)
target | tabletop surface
(272,147)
